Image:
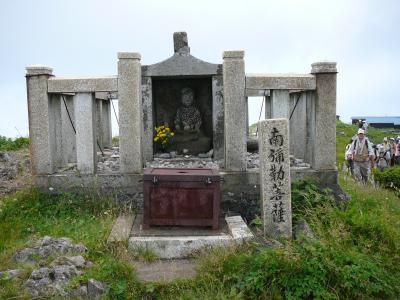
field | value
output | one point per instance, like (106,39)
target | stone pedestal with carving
(275,177)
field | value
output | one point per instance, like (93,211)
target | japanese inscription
(275,177)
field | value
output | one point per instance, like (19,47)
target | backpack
(355,143)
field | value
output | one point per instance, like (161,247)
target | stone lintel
(257,93)
(36,70)
(82,84)
(234,54)
(103,95)
(323,67)
(280,82)
(129,55)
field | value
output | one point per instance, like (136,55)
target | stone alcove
(167,100)
(162,84)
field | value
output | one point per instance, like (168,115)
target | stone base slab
(181,246)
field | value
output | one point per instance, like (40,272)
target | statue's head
(187,96)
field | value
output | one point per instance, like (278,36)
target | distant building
(379,122)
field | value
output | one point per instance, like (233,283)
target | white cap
(385,139)
(360,130)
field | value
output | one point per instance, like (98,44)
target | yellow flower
(172,134)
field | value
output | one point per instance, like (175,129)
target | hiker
(397,152)
(363,125)
(362,154)
(349,158)
(382,160)
(392,151)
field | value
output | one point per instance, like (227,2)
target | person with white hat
(362,154)
(392,150)
(397,151)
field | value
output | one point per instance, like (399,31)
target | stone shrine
(205,104)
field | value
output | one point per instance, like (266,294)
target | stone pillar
(234,110)
(56,130)
(275,177)
(280,102)
(218,116)
(40,127)
(310,127)
(130,112)
(99,124)
(325,115)
(298,130)
(247,115)
(107,127)
(267,108)
(67,132)
(84,106)
(148,124)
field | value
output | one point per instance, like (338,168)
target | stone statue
(188,117)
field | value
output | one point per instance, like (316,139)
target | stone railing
(70,118)
(308,100)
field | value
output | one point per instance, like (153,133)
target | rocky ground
(14,171)
(54,263)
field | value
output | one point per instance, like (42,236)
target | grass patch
(144,254)
(8,144)
(30,214)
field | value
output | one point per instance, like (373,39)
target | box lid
(180,174)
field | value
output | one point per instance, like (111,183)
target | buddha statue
(189,137)
(188,117)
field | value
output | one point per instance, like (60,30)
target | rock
(76,261)
(64,273)
(80,292)
(302,229)
(50,281)
(46,247)
(95,289)
(4,157)
(40,273)
(10,274)
(165,155)
(209,154)
(8,173)
(40,287)
(27,256)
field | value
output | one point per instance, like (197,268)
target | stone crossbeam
(279,82)
(82,84)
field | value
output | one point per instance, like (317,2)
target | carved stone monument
(275,177)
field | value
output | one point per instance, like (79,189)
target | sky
(83,37)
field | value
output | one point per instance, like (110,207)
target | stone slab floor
(165,270)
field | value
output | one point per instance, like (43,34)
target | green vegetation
(115,141)
(356,254)
(30,214)
(389,178)
(7,144)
